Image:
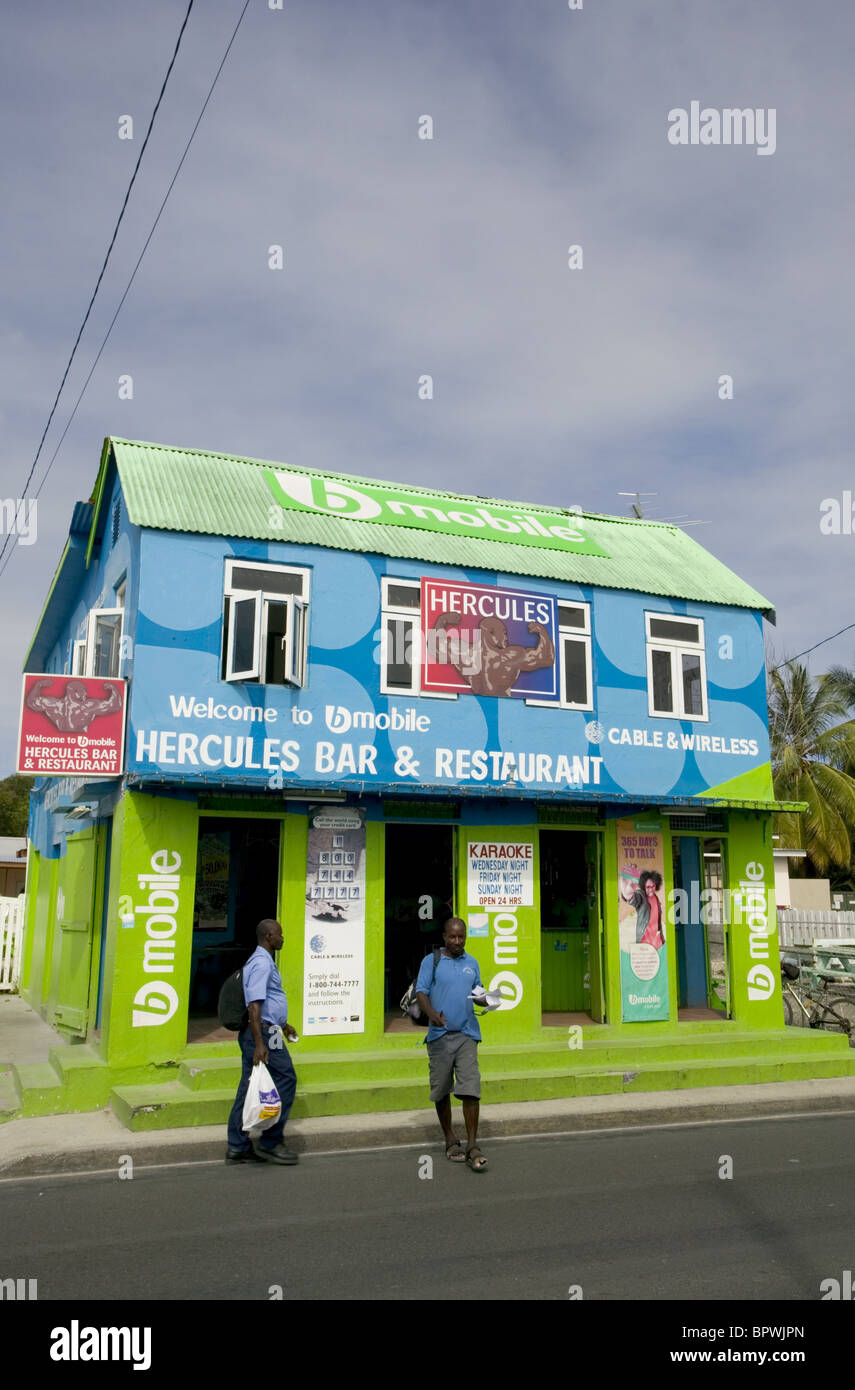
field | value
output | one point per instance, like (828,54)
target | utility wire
(106,260)
(139,259)
(791,659)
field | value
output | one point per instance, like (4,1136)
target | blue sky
(447,257)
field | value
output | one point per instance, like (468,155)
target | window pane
(106,656)
(271,581)
(663,698)
(571,616)
(673,631)
(403,595)
(692,694)
(243,627)
(575,672)
(274,655)
(399,653)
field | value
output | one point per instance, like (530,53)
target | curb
(46,1147)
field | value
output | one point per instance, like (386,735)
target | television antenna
(637,510)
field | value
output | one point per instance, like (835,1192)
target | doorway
(237,884)
(699,925)
(419,902)
(569,927)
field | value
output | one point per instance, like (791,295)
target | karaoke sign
(489,641)
(72,725)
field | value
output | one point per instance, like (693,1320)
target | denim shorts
(458,1054)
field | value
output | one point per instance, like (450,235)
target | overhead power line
(126,291)
(807,650)
(23,492)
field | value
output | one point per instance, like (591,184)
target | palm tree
(813,748)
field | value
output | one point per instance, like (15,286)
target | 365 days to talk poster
(643,956)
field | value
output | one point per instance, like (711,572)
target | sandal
(450,1146)
(475,1159)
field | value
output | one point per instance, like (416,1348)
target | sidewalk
(97,1141)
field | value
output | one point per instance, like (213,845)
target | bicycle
(808,1002)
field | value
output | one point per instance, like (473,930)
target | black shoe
(241,1156)
(279,1154)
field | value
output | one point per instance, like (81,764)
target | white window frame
(676,649)
(414,614)
(296,627)
(78,657)
(583,633)
(91,625)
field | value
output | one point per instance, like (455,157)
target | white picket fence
(11,936)
(797,927)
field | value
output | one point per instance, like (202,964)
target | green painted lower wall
(147,946)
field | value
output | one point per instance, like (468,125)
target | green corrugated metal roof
(223,495)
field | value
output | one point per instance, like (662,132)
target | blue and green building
(361,707)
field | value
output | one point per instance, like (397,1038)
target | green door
(75,916)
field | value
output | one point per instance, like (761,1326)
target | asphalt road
(623,1215)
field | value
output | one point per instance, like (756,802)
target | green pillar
(149,930)
(752,924)
(509,955)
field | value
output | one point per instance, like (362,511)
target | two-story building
(361,708)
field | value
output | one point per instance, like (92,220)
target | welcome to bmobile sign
(304,492)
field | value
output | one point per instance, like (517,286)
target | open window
(400,640)
(265,623)
(78,658)
(676,667)
(103,644)
(574,659)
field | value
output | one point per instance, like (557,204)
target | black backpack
(231,1005)
(410,1006)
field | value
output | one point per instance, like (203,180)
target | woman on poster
(649,913)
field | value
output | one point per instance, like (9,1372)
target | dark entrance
(565,896)
(698,919)
(237,883)
(419,901)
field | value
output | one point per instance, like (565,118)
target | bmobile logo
(510,981)
(325,495)
(394,506)
(157,1002)
(761,982)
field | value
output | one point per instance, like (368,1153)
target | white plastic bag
(262,1106)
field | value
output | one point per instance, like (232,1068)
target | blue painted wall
(177,654)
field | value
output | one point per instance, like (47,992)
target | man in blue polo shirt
(262,1041)
(453,1038)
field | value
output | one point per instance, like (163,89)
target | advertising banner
(643,957)
(334,953)
(500,875)
(72,724)
(498,521)
(485,640)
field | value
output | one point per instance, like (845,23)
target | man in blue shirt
(453,1038)
(262,1041)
